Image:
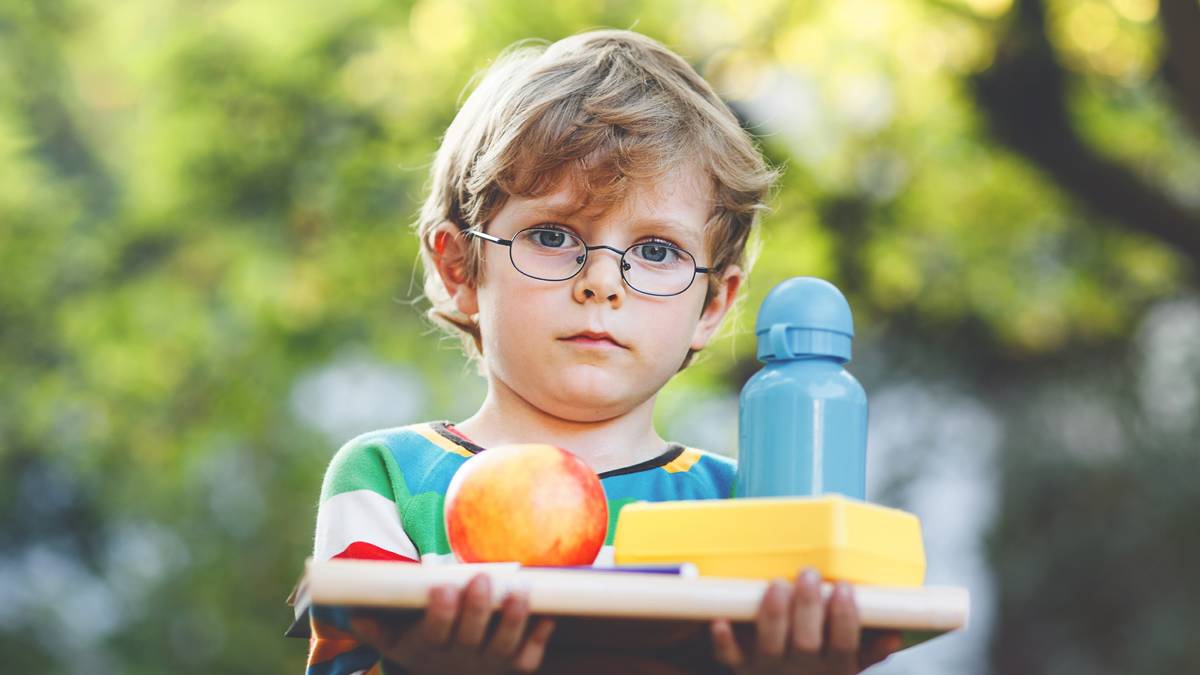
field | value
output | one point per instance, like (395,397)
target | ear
(450,258)
(718,305)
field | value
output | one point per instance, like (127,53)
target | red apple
(533,503)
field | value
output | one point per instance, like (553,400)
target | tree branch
(1180,21)
(1023,97)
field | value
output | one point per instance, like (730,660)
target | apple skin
(532,503)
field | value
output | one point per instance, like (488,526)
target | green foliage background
(202,204)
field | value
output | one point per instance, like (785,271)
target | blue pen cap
(804,317)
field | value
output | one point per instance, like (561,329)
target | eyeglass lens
(650,267)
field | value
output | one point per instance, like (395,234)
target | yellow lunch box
(763,538)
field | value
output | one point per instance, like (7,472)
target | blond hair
(600,109)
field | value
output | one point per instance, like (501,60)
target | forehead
(679,203)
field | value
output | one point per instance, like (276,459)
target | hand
(797,633)
(451,638)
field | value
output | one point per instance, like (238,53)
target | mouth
(594,339)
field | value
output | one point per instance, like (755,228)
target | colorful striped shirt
(383,498)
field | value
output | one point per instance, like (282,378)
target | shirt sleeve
(359,516)
(362,499)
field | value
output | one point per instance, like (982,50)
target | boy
(584,233)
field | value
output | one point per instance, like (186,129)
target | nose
(600,279)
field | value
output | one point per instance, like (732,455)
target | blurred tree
(1093,556)
(1024,96)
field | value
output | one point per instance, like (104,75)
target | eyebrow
(665,225)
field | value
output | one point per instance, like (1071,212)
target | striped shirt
(383,498)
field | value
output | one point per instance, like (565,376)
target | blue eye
(656,253)
(550,238)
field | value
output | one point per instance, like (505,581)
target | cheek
(512,319)
(664,331)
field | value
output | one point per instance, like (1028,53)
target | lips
(593,337)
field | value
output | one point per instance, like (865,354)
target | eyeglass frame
(586,250)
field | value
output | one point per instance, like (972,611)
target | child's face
(530,328)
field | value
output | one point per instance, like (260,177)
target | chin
(591,401)
(590,415)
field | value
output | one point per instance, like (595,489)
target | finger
(879,647)
(807,614)
(725,646)
(772,621)
(844,629)
(529,658)
(439,615)
(514,616)
(476,612)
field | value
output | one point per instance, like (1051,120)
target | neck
(506,418)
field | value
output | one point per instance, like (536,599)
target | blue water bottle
(802,426)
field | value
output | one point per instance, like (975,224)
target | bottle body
(802,431)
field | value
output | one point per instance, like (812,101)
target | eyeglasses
(548,254)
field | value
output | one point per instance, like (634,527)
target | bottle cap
(804,317)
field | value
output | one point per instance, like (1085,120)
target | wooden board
(628,612)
